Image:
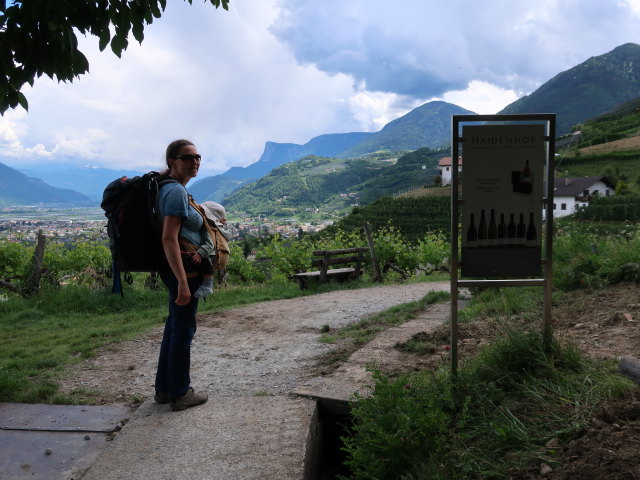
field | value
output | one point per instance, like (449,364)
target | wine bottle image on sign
(492,231)
(521,232)
(511,232)
(502,232)
(526,172)
(532,234)
(472,234)
(482,231)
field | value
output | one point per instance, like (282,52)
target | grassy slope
(625,164)
(626,144)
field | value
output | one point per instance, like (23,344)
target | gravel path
(262,349)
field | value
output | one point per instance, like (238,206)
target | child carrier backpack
(133,225)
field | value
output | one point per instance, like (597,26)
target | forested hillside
(428,125)
(306,183)
(617,124)
(412,170)
(606,147)
(336,184)
(586,90)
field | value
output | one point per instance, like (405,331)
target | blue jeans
(174,361)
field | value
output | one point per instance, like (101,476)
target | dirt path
(263,349)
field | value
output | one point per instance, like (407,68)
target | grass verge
(351,337)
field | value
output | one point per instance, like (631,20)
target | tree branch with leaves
(38,37)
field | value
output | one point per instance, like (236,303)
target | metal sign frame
(549,120)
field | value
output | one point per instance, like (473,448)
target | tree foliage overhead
(39,37)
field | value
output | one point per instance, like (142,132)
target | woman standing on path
(181,226)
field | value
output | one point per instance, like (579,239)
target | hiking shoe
(189,399)
(162,398)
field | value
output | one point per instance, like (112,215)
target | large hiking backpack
(133,225)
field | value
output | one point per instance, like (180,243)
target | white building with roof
(444,165)
(573,192)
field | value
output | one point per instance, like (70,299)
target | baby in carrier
(214,251)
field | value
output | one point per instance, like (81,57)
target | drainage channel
(325,457)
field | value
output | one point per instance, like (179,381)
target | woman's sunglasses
(189,158)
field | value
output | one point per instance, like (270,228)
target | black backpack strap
(117,281)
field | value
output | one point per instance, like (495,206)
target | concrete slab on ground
(64,418)
(241,438)
(54,442)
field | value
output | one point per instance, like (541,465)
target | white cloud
(425,48)
(633,5)
(373,110)
(81,144)
(219,78)
(12,128)
(286,71)
(481,97)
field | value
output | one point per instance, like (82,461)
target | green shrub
(390,247)
(615,208)
(583,259)
(495,416)
(240,269)
(433,249)
(288,256)
(14,259)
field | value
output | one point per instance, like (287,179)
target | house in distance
(573,192)
(444,165)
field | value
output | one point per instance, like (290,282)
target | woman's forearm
(172,252)
(171,246)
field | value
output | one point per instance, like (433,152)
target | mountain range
(426,126)
(591,88)
(19,189)
(87,180)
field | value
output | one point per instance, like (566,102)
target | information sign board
(502,193)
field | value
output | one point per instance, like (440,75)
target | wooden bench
(327,258)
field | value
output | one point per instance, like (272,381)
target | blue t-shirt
(174,200)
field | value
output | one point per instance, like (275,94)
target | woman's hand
(184,294)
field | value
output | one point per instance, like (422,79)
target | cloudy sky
(290,70)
